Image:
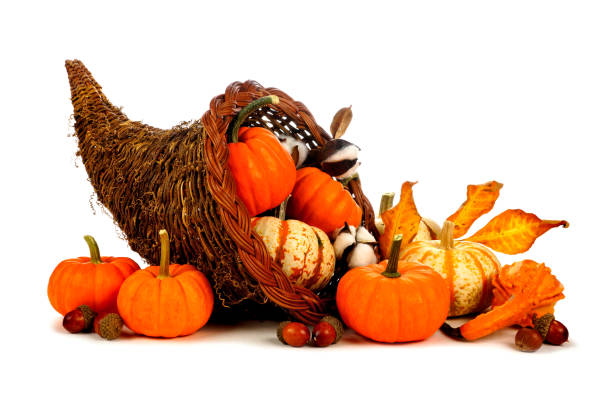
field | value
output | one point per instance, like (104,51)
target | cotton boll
(347,228)
(295,147)
(363,236)
(342,242)
(362,255)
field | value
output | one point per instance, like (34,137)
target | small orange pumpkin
(320,201)
(165,300)
(393,301)
(93,281)
(263,170)
(468,268)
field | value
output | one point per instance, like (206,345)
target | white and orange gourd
(304,252)
(468,268)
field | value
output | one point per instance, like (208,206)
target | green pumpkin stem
(247,110)
(386,202)
(94,251)
(164,259)
(446,235)
(391,270)
(345,182)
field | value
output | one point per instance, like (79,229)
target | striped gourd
(468,268)
(304,252)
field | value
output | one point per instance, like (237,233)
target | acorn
(296,334)
(108,325)
(323,334)
(337,324)
(552,331)
(89,315)
(542,323)
(279,331)
(74,321)
(528,339)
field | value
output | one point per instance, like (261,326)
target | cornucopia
(179,180)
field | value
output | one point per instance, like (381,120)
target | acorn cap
(337,324)
(110,326)
(279,331)
(542,323)
(89,316)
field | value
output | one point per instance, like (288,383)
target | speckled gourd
(468,268)
(304,252)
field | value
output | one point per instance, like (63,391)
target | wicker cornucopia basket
(179,180)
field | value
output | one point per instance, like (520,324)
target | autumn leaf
(480,200)
(513,231)
(402,219)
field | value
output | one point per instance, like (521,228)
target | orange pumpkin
(165,300)
(320,201)
(468,268)
(304,252)
(263,170)
(393,301)
(93,281)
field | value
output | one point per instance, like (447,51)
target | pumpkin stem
(347,180)
(386,202)
(391,270)
(282,208)
(247,110)
(94,251)
(164,259)
(446,235)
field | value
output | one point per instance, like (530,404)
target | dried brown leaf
(341,121)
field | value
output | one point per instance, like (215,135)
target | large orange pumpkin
(320,201)
(263,170)
(93,281)
(468,268)
(304,252)
(165,300)
(393,301)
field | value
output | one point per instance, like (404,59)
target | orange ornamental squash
(165,300)
(393,301)
(263,170)
(320,201)
(468,268)
(304,252)
(93,281)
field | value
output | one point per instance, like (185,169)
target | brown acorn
(74,321)
(89,316)
(108,325)
(279,331)
(337,326)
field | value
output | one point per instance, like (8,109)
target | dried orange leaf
(340,123)
(402,219)
(530,288)
(480,200)
(513,231)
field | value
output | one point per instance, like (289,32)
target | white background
(446,93)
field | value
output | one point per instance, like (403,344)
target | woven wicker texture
(178,179)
